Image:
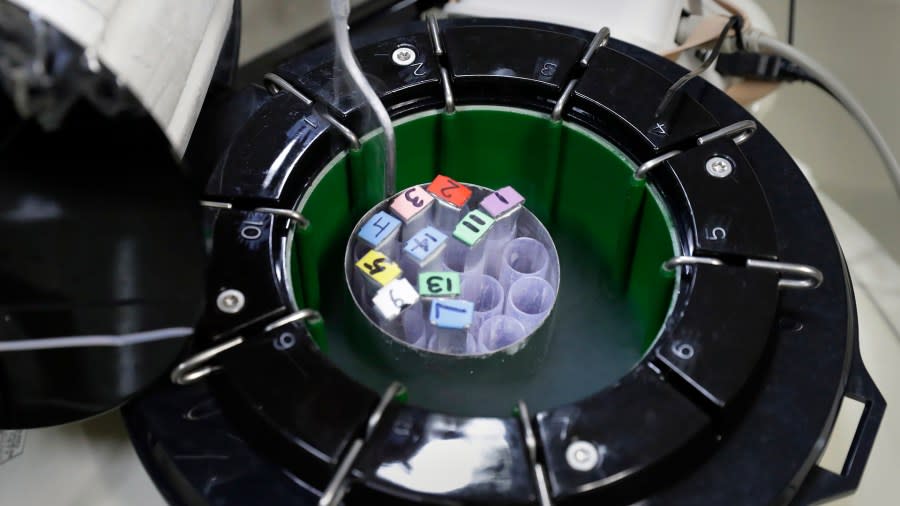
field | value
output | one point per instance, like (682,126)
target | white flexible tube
(95,341)
(340,11)
(763,43)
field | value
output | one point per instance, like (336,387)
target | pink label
(411,202)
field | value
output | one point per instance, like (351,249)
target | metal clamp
(540,477)
(274,83)
(294,216)
(669,98)
(194,369)
(599,40)
(807,276)
(645,167)
(803,276)
(215,205)
(306,315)
(739,132)
(435,35)
(338,485)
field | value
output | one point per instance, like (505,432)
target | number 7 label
(451,313)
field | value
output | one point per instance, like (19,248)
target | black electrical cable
(763,67)
(792,18)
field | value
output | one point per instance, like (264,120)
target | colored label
(393,298)
(425,244)
(451,313)
(502,201)
(411,203)
(449,190)
(379,229)
(472,227)
(378,267)
(439,284)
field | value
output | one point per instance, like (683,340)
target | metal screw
(719,167)
(582,456)
(230,301)
(404,56)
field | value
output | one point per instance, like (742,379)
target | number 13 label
(438,284)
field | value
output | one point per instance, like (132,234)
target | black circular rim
(721,397)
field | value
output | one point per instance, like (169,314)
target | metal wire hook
(193,369)
(739,132)
(669,98)
(337,487)
(540,476)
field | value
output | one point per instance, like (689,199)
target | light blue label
(425,243)
(378,229)
(451,313)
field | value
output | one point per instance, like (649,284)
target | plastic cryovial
(529,300)
(499,332)
(523,257)
(486,294)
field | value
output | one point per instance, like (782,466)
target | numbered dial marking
(411,203)
(449,191)
(377,267)
(473,227)
(451,313)
(503,201)
(380,229)
(427,243)
(392,299)
(439,284)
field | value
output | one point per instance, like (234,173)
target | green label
(473,227)
(438,284)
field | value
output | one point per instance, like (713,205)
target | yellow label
(377,266)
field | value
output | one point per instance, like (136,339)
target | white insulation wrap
(650,24)
(165,51)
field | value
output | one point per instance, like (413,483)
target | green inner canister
(610,230)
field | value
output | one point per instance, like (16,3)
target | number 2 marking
(418,71)
(452,186)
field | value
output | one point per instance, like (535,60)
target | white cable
(763,43)
(95,341)
(340,12)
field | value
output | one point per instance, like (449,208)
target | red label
(449,190)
